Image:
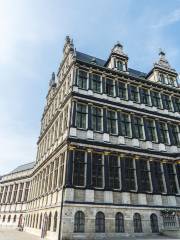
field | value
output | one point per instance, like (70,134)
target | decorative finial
(52,80)
(161,52)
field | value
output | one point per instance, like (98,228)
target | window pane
(97,170)
(79,168)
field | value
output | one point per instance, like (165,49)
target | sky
(32,34)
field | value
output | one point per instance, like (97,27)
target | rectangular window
(61,169)
(166,102)
(97,170)
(156,99)
(114,172)
(158,174)
(151,130)
(171,178)
(82,79)
(47,178)
(79,168)
(163,132)
(176,104)
(10,193)
(81,116)
(125,124)
(175,134)
(56,173)
(5,194)
(111,122)
(97,119)
(15,193)
(20,192)
(122,90)
(26,191)
(51,176)
(1,193)
(96,83)
(119,65)
(129,174)
(138,127)
(134,94)
(145,96)
(110,87)
(144,175)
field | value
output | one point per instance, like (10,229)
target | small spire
(118,49)
(52,80)
(162,59)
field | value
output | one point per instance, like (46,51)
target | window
(1,193)
(49,222)
(156,99)
(47,178)
(61,169)
(144,175)
(119,222)
(14,219)
(37,218)
(82,79)
(119,65)
(163,132)
(79,222)
(134,95)
(56,173)
(110,87)
(151,130)
(166,102)
(144,96)
(176,104)
(111,122)
(125,124)
(96,83)
(40,221)
(4,218)
(79,168)
(10,193)
(81,116)
(137,127)
(97,119)
(100,222)
(51,176)
(171,81)
(9,218)
(55,222)
(162,78)
(171,178)
(5,194)
(129,174)
(97,170)
(175,134)
(158,174)
(154,223)
(122,90)
(114,172)
(137,223)
(20,192)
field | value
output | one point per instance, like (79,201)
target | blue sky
(32,34)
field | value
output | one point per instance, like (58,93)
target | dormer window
(171,81)
(162,78)
(119,65)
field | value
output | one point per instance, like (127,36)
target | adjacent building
(108,157)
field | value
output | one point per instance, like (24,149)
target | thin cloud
(172,18)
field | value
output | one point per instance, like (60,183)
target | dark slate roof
(100,62)
(23,167)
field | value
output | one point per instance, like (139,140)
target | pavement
(9,234)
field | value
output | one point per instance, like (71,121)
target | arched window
(9,218)
(79,221)
(137,223)
(40,221)
(100,222)
(4,217)
(37,218)
(14,220)
(55,222)
(154,223)
(49,222)
(119,222)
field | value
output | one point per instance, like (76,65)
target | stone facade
(108,154)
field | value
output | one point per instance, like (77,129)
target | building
(108,157)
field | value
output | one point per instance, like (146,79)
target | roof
(23,167)
(100,62)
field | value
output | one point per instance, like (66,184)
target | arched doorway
(154,223)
